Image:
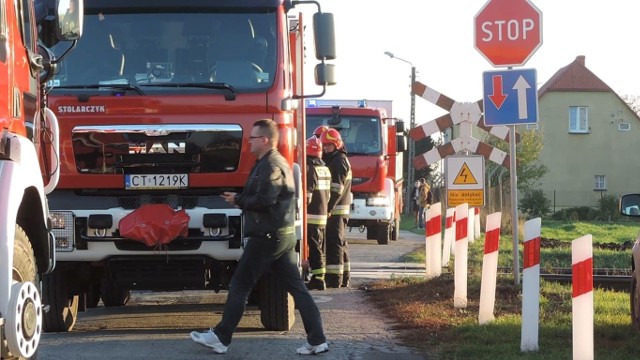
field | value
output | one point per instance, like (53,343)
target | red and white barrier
(471,219)
(489,268)
(531,285)
(461,255)
(449,243)
(582,305)
(433,254)
(477,232)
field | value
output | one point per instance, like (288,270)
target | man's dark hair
(269,129)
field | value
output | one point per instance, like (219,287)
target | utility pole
(412,147)
(411,174)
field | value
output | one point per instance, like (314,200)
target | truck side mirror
(399,126)
(325,74)
(325,37)
(69,19)
(401,143)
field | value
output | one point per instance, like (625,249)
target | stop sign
(508,32)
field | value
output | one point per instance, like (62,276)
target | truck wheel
(63,307)
(372,232)
(395,229)
(383,234)
(635,302)
(112,295)
(277,310)
(93,296)
(25,308)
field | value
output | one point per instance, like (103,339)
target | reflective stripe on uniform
(317,219)
(318,273)
(324,178)
(341,210)
(337,188)
(335,269)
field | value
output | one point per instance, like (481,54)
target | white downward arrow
(521,87)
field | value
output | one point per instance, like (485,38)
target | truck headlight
(63,229)
(378,201)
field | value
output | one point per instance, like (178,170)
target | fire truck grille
(130,203)
(157,149)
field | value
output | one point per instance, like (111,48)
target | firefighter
(335,156)
(318,192)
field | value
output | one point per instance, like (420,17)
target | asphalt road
(157,325)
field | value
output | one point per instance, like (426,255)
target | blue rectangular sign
(510,97)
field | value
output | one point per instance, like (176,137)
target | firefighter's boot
(316,284)
(333,280)
(346,279)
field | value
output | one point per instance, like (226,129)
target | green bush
(608,208)
(579,213)
(534,203)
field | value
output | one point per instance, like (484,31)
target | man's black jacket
(268,197)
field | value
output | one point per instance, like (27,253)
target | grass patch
(423,309)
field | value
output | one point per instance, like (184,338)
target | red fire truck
(156,105)
(374,144)
(28,170)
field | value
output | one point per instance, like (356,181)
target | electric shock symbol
(465,176)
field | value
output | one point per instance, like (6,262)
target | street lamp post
(412,124)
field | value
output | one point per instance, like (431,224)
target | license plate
(156,181)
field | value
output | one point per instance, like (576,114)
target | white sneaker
(308,349)
(209,339)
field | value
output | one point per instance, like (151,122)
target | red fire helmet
(332,136)
(314,147)
(319,130)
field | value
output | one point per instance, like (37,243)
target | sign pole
(514,203)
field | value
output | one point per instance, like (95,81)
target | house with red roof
(590,137)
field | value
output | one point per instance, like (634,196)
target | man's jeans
(261,255)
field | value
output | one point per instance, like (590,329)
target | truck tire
(113,295)
(372,232)
(63,307)
(277,310)
(383,234)
(25,270)
(395,229)
(93,296)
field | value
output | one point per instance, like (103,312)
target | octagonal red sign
(508,32)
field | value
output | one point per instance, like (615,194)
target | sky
(437,37)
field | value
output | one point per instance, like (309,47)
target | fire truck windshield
(361,135)
(155,48)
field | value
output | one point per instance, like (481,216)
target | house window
(601,182)
(578,119)
(624,127)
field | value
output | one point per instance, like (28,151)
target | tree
(421,147)
(529,169)
(633,101)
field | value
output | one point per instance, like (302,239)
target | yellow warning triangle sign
(465,176)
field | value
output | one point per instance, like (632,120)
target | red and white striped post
(582,304)
(471,219)
(433,264)
(477,231)
(531,285)
(449,244)
(489,268)
(460,264)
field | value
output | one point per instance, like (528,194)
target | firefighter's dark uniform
(318,192)
(338,267)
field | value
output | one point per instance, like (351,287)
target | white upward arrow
(521,87)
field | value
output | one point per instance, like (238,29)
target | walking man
(267,201)
(318,192)
(335,156)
